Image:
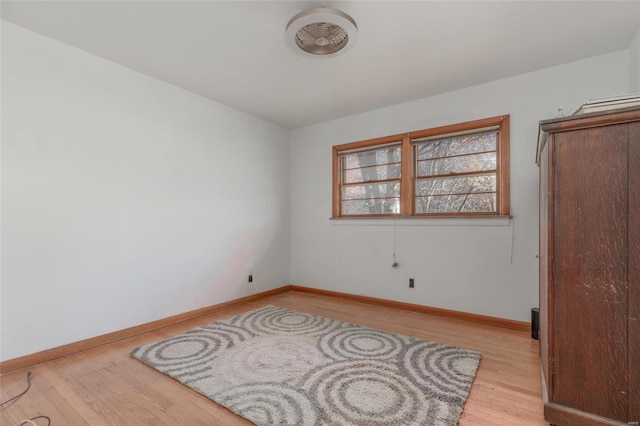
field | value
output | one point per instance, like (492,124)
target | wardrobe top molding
(583,121)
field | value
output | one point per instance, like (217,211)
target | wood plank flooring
(105,386)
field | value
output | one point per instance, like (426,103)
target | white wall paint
(125,199)
(466,268)
(634,64)
(1,121)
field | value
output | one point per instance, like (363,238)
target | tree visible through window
(371,181)
(462,169)
(456,174)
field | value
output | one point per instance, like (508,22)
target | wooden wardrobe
(590,268)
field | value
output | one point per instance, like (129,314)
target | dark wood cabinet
(590,268)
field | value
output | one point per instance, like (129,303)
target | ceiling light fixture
(321,31)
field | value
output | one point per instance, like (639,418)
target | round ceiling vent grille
(321,31)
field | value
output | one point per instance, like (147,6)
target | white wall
(634,64)
(465,265)
(125,199)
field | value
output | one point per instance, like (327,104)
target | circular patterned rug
(276,366)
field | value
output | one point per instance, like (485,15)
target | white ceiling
(234,51)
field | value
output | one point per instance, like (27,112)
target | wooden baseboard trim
(19,363)
(93,342)
(465,316)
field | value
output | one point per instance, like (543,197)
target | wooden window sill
(492,220)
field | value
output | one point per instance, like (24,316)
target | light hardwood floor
(105,386)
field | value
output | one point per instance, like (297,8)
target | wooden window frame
(408,175)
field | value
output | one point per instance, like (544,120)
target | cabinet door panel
(590,271)
(634,272)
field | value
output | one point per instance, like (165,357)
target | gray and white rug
(276,366)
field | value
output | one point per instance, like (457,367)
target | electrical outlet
(250,278)
(411,283)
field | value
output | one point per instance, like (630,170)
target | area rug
(276,366)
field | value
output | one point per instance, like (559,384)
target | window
(457,170)
(371,181)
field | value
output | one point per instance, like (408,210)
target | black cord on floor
(31,420)
(25,391)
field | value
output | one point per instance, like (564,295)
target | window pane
(387,154)
(382,206)
(457,145)
(456,185)
(389,171)
(467,163)
(367,166)
(371,191)
(463,203)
